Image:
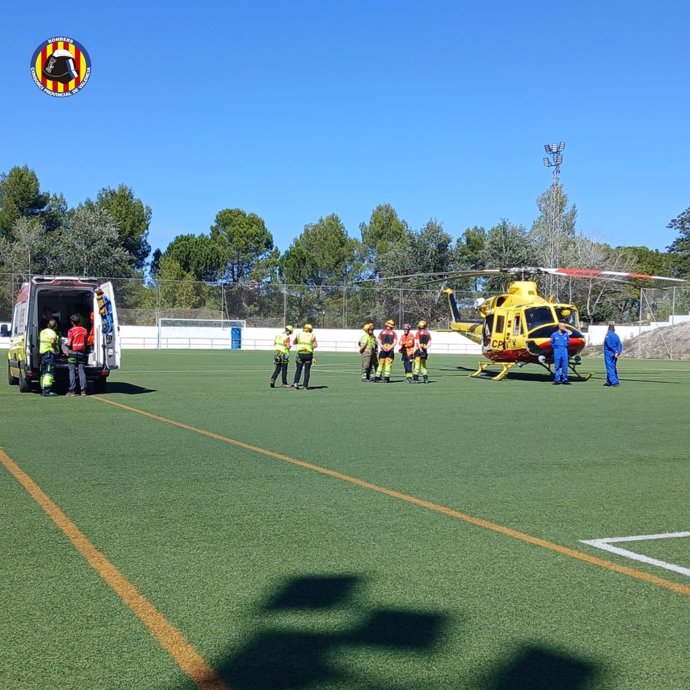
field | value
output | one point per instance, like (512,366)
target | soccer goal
(202,334)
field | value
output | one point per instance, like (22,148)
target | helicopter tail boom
(452,304)
(473,330)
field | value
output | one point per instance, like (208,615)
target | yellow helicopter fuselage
(516,326)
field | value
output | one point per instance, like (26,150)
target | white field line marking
(605,544)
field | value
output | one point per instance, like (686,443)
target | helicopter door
(486,334)
(498,341)
(514,332)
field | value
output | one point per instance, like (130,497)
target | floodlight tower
(554,158)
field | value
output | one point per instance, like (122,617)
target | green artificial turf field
(351,536)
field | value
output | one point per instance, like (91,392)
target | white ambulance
(59,297)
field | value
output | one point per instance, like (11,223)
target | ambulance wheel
(12,380)
(99,385)
(24,385)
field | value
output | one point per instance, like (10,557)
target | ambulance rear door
(109,327)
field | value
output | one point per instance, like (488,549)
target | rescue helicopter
(515,327)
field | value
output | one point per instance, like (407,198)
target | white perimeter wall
(328,339)
(596,334)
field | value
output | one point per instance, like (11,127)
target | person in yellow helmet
(48,348)
(281,346)
(305,342)
(422,341)
(368,348)
(407,350)
(387,340)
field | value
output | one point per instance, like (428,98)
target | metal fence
(142,302)
(268,305)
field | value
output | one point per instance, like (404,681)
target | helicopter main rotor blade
(522,271)
(596,273)
(450,275)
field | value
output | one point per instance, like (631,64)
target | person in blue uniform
(612,351)
(560,340)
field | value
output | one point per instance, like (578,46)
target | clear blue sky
(298,109)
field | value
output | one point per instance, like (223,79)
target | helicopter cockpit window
(517,325)
(567,315)
(538,316)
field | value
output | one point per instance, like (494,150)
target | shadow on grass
(538,668)
(670,383)
(298,646)
(286,657)
(126,388)
(517,375)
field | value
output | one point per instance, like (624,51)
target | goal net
(206,334)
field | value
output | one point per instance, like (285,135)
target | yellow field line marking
(170,638)
(437,508)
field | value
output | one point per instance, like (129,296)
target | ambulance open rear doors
(106,329)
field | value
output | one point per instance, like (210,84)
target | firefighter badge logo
(60,66)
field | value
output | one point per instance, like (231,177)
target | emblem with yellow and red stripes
(60,66)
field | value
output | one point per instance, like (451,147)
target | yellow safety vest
(280,344)
(47,341)
(367,341)
(305,342)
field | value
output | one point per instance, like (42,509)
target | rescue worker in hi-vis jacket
(305,342)
(387,340)
(48,348)
(368,348)
(407,349)
(422,341)
(281,346)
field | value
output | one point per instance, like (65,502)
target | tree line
(108,236)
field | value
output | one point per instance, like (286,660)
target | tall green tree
(680,247)
(384,230)
(469,249)
(21,197)
(198,256)
(132,219)
(88,245)
(177,288)
(25,253)
(432,248)
(243,242)
(322,257)
(426,251)
(650,261)
(323,254)
(507,246)
(468,255)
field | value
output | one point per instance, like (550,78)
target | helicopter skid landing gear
(505,368)
(578,375)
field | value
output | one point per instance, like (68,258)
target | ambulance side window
(19,319)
